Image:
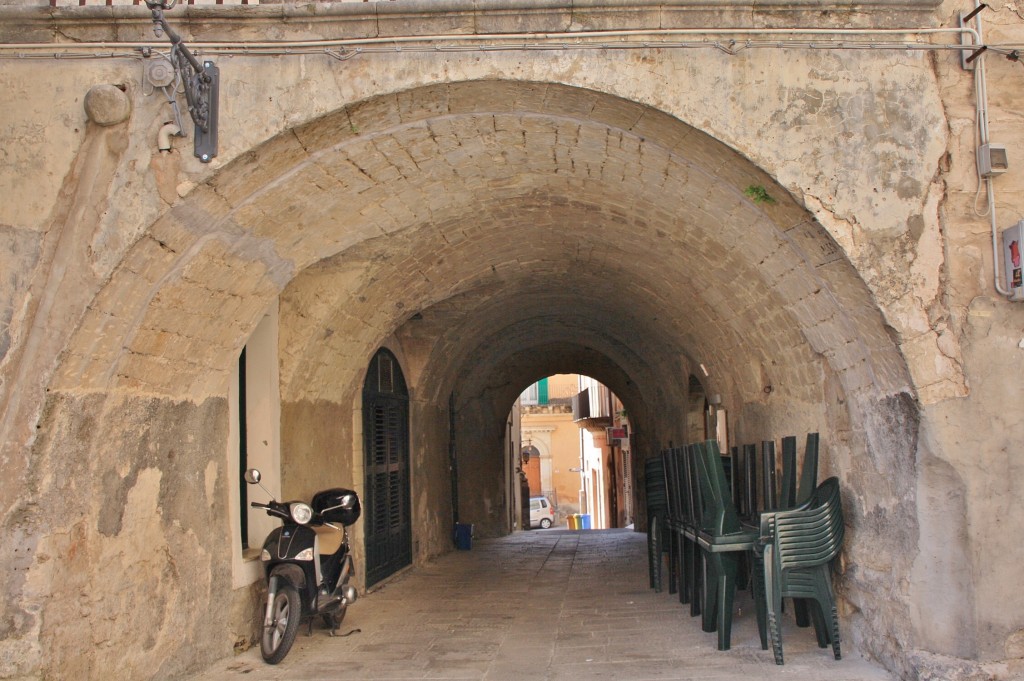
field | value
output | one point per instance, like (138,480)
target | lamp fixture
(201,81)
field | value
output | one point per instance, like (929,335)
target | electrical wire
(626,39)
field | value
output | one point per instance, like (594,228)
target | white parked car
(542,513)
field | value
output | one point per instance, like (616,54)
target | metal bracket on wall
(201,82)
(203,107)
(967,59)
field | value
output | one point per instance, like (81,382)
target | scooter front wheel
(279,635)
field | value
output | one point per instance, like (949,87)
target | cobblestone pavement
(554,605)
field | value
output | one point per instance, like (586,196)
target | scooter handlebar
(273,508)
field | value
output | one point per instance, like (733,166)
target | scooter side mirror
(252,476)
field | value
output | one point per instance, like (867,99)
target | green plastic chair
(680,537)
(723,540)
(692,558)
(799,546)
(690,555)
(791,495)
(657,518)
(675,522)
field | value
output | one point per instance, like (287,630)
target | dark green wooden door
(388,522)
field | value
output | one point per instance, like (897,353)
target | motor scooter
(307,564)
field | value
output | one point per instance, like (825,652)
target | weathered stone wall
(590,202)
(967,465)
(127,541)
(318,439)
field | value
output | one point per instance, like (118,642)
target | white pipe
(462,37)
(996,255)
(163,138)
(981,95)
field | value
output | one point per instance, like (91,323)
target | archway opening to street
(487,234)
(575,462)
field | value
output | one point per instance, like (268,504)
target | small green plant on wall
(758,194)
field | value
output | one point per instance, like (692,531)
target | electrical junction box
(1013,244)
(992,160)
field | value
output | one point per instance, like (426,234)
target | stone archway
(495,231)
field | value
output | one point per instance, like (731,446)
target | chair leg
(825,600)
(673,569)
(654,554)
(707,620)
(773,603)
(743,572)
(758,588)
(684,569)
(822,628)
(828,609)
(802,612)
(835,632)
(726,590)
(697,582)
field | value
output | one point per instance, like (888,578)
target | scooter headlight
(301,513)
(265,555)
(305,554)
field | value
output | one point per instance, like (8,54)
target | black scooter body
(284,544)
(301,581)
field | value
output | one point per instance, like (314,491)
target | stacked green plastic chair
(674,529)
(691,560)
(723,540)
(799,546)
(657,517)
(683,532)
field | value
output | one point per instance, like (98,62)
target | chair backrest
(691,480)
(749,506)
(809,469)
(666,463)
(682,484)
(654,478)
(769,489)
(787,498)
(719,515)
(811,534)
(737,478)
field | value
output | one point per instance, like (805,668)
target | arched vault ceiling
(500,329)
(499,193)
(506,379)
(544,258)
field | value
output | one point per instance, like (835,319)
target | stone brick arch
(478,225)
(248,230)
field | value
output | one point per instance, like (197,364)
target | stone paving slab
(553,605)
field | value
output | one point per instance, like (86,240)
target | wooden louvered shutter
(388,522)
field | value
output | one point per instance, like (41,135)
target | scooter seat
(329,539)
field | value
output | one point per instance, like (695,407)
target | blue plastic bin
(585,521)
(463,536)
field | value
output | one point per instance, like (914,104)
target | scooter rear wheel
(279,636)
